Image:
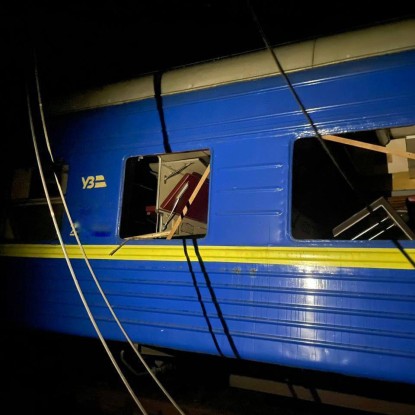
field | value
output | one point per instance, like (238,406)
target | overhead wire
(75,233)
(69,264)
(297,98)
(85,257)
(315,129)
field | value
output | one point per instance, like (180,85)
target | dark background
(81,44)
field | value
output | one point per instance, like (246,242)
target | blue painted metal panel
(355,321)
(338,319)
(376,93)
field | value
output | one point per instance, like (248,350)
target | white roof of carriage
(374,41)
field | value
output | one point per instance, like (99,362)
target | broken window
(160,190)
(27,216)
(377,203)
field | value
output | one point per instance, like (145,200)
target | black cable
(200,299)
(300,104)
(159,102)
(316,132)
(214,300)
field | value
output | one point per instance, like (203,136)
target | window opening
(27,216)
(325,207)
(157,188)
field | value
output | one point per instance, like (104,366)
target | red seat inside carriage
(198,209)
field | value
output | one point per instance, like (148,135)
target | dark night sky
(83,44)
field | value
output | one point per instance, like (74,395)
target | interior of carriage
(376,202)
(166,195)
(370,194)
(24,212)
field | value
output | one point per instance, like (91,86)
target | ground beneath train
(49,373)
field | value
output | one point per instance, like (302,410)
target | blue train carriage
(277,258)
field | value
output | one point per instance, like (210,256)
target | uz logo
(93,182)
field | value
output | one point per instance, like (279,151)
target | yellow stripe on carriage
(391,258)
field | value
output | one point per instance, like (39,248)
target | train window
(377,200)
(26,217)
(165,192)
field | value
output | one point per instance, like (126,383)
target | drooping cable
(316,132)
(68,262)
(85,257)
(298,100)
(200,299)
(159,101)
(215,300)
